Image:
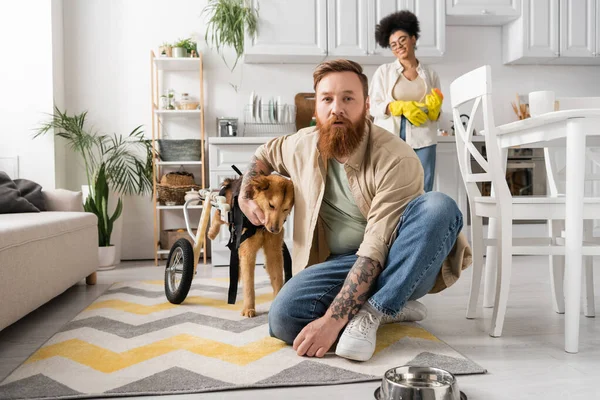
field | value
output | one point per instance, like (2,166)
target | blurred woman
(405,96)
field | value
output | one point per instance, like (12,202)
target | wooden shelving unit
(158,67)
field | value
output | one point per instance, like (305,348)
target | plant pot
(106,258)
(165,51)
(179,52)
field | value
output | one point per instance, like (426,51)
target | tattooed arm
(356,289)
(317,337)
(248,206)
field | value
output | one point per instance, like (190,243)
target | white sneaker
(358,340)
(413,311)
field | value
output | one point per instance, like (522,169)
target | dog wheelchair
(183,257)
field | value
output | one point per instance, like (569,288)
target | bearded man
(368,241)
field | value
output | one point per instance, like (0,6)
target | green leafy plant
(228,21)
(97,203)
(123,164)
(187,44)
(127,159)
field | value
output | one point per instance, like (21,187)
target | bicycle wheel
(179,271)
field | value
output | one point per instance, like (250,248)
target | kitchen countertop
(264,139)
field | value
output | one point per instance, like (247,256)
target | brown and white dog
(274,194)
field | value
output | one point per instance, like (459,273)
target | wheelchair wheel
(179,272)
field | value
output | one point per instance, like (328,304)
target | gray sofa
(43,254)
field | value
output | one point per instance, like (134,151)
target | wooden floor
(527,362)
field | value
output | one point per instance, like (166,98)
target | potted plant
(97,203)
(229,20)
(183,47)
(126,161)
(165,50)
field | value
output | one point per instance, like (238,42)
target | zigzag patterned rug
(131,341)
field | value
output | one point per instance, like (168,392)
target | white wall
(107,72)
(27,85)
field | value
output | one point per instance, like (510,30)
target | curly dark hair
(399,21)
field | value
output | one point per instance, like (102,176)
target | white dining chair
(475,88)
(555,160)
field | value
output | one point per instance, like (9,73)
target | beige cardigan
(384,175)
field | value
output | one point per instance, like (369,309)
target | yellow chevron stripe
(141,309)
(391,333)
(162,282)
(108,361)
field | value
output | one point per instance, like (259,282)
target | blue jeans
(426,155)
(426,233)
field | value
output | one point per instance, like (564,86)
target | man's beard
(340,140)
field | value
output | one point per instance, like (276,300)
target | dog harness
(240,229)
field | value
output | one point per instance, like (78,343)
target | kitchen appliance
(464,120)
(418,383)
(525,174)
(227,127)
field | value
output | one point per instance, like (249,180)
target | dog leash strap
(234,272)
(236,169)
(287,263)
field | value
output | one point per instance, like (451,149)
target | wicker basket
(179,178)
(175,194)
(190,105)
(180,149)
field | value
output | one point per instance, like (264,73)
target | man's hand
(251,210)
(317,337)
(248,206)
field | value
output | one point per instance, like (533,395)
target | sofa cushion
(16,229)
(63,200)
(11,200)
(32,192)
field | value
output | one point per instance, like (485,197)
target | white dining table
(573,129)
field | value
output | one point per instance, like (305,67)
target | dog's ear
(260,183)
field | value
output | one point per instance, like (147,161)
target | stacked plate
(271,111)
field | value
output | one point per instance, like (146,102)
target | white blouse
(381,94)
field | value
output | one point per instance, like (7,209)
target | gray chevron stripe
(172,381)
(35,386)
(310,373)
(128,331)
(454,365)
(156,294)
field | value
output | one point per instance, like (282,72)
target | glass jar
(164,101)
(171,96)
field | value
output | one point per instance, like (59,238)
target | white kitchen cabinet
(309,31)
(347,28)
(554,31)
(482,12)
(533,38)
(288,31)
(352,29)
(598,28)
(578,25)
(432,20)
(222,154)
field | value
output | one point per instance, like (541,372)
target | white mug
(541,102)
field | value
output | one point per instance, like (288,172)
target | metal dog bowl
(418,383)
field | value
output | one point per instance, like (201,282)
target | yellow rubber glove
(433,101)
(410,109)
